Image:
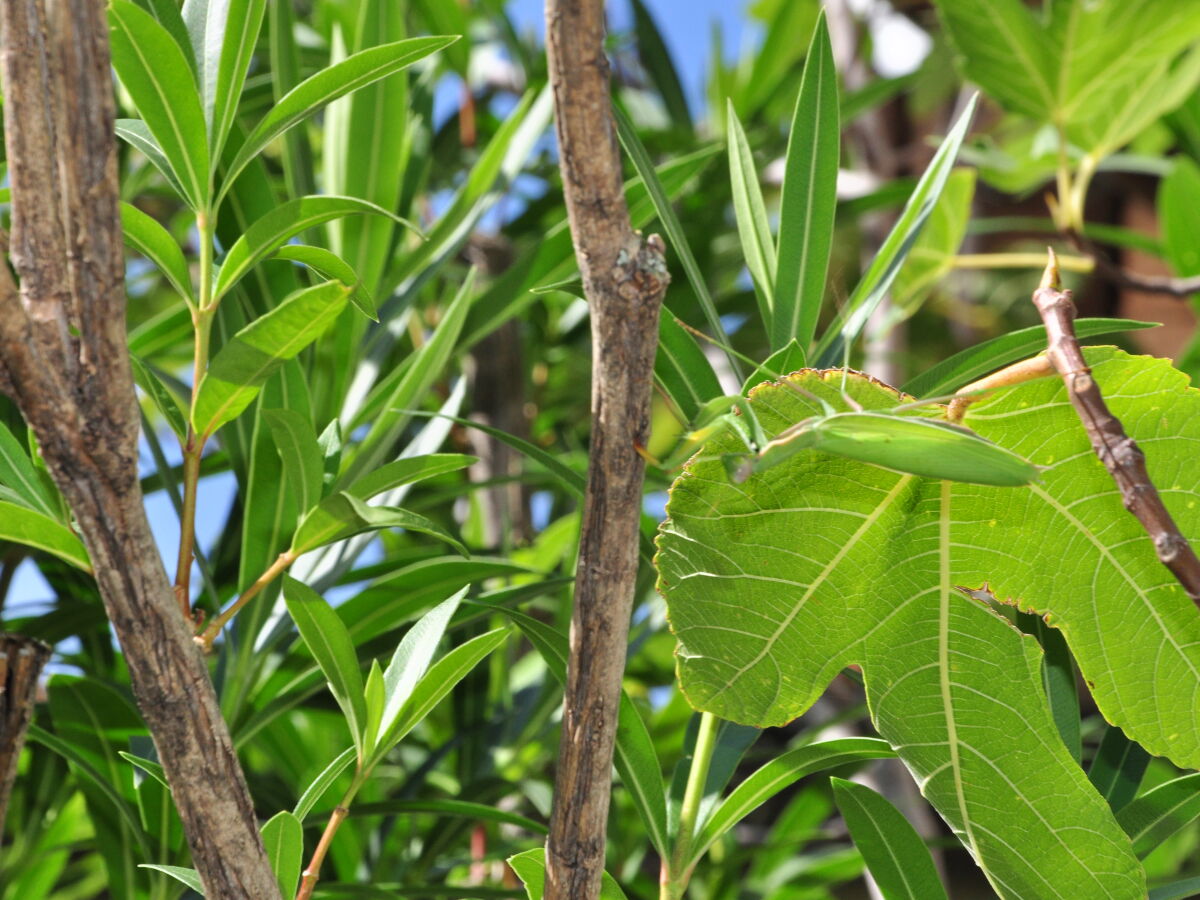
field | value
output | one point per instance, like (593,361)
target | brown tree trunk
(624,279)
(63,359)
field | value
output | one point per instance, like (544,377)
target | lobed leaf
(829,563)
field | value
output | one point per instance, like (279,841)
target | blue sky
(686,26)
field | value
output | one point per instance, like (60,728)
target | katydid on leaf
(929,447)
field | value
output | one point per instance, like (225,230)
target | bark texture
(21,662)
(63,352)
(1119,452)
(624,279)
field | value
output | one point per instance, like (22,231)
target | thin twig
(1017,373)
(276,568)
(1119,453)
(64,344)
(624,279)
(1155,284)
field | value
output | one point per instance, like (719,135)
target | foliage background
(459,146)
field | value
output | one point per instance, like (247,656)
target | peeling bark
(63,352)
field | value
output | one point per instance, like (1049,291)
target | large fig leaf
(776,584)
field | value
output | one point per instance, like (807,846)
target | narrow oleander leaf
(875,282)
(80,758)
(682,369)
(18,473)
(413,656)
(1161,812)
(169,15)
(189,877)
(975,362)
(357,70)
(160,395)
(1187,889)
(342,515)
(223,34)
(149,766)
(153,68)
(146,236)
(783,361)
(441,678)
(655,58)
(374,694)
(395,399)
(314,792)
(238,371)
(296,151)
(530,867)
(408,470)
(296,442)
(283,837)
(328,264)
(809,199)
(671,225)
(754,229)
(1179,213)
(277,227)
(933,253)
(367,144)
(1117,768)
(772,777)
(329,642)
(42,532)
(135,133)
(894,853)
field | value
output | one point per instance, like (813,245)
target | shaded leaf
(283,836)
(896,855)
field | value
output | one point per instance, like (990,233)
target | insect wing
(927,447)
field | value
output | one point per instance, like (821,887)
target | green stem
(202,318)
(312,871)
(679,871)
(1019,261)
(1061,210)
(1079,189)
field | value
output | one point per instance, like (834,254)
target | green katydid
(933,448)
